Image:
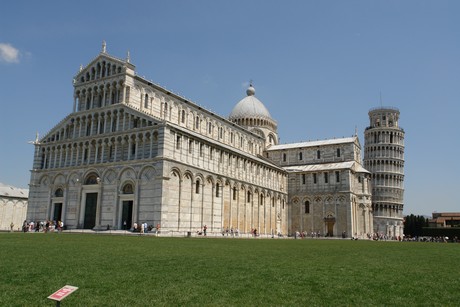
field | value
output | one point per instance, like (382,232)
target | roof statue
(36,141)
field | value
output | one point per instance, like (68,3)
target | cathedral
(135,152)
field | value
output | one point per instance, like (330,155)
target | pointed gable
(102,66)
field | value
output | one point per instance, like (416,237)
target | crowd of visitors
(42,226)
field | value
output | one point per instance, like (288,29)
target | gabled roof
(227,147)
(101,57)
(353,165)
(314,143)
(126,108)
(10,191)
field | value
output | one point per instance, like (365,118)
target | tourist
(157,228)
(204,229)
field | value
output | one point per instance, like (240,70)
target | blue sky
(318,66)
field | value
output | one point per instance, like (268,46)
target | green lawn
(149,271)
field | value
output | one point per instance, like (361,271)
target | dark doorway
(90,211)
(330,221)
(330,229)
(127,214)
(57,214)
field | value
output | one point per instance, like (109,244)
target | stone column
(55,157)
(104,93)
(103,146)
(74,103)
(129,148)
(96,153)
(89,154)
(99,204)
(115,151)
(60,156)
(105,123)
(66,155)
(136,202)
(92,99)
(124,95)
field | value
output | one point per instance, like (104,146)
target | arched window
(307,207)
(92,179)
(59,193)
(165,111)
(234,193)
(217,190)
(146,101)
(183,116)
(197,187)
(128,89)
(128,189)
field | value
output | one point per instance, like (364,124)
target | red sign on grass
(62,293)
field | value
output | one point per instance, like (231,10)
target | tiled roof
(313,143)
(327,167)
(10,191)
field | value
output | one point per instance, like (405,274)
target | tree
(413,225)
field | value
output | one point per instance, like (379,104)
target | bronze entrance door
(127,214)
(57,214)
(330,229)
(330,221)
(90,211)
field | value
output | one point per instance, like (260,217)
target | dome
(250,107)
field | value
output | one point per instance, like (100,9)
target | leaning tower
(384,158)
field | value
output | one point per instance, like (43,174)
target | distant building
(133,152)
(445,219)
(13,206)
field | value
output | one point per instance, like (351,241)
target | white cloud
(8,53)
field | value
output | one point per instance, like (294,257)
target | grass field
(150,271)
